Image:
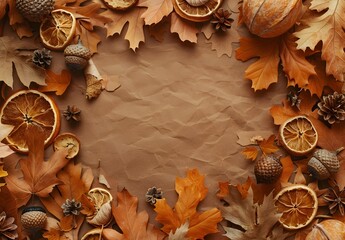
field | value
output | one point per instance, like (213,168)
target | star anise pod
(222,20)
(72,112)
(71,207)
(8,230)
(153,194)
(335,199)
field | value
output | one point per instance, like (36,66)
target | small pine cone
(8,229)
(71,207)
(332,107)
(153,194)
(268,169)
(72,112)
(293,97)
(222,20)
(42,58)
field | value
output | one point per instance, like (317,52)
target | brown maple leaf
(133,225)
(54,234)
(156,10)
(264,71)
(135,31)
(36,176)
(187,31)
(324,22)
(75,181)
(191,191)
(57,83)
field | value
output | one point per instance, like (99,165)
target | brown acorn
(268,169)
(34,218)
(77,56)
(323,163)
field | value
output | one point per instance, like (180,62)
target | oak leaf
(191,191)
(57,83)
(133,225)
(324,22)
(156,10)
(187,31)
(135,31)
(36,176)
(75,181)
(256,220)
(12,50)
(180,233)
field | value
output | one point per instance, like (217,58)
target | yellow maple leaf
(191,192)
(325,22)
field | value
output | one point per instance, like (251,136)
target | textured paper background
(179,107)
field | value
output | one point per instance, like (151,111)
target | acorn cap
(328,158)
(317,169)
(267,169)
(34,218)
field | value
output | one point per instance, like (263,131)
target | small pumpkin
(270,18)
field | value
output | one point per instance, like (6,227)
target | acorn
(268,169)
(77,56)
(323,163)
(33,218)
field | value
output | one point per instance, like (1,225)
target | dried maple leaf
(295,65)
(55,234)
(256,220)
(264,71)
(156,10)
(324,22)
(5,150)
(11,49)
(56,83)
(250,153)
(180,233)
(36,176)
(135,31)
(191,191)
(187,31)
(18,23)
(5,130)
(133,225)
(268,146)
(75,181)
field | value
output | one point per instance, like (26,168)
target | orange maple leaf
(54,234)
(324,22)
(39,176)
(191,192)
(56,83)
(133,225)
(268,146)
(250,153)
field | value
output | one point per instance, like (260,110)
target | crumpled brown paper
(179,107)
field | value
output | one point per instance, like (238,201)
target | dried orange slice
(120,4)
(29,111)
(196,10)
(298,135)
(57,31)
(69,141)
(297,204)
(101,198)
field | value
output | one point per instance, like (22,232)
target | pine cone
(153,194)
(8,230)
(71,207)
(221,19)
(72,112)
(332,107)
(293,97)
(42,58)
